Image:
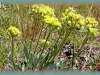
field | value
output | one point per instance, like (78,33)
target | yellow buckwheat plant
(14,31)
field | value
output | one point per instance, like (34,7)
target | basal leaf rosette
(14,31)
(42,9)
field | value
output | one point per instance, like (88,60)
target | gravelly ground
(88,54)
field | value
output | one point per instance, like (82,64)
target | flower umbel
(42,9)
(94,31)
(43,42)
(14,31)
(52,21)
(71,18)
(91,21)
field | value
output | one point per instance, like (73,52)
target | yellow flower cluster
(14,31)
(43,42)
(91,25)
(52,21)
(94,31)
(91,21)
(71,18)
(47,13)
(42,9)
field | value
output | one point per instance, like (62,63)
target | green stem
(84,42)
(52,52)
(42,49)
(32,36)
(75,56)
(13,52)
(63,41)
(54,45)
(38,39)
(60,47)
(73,61)
(45,32)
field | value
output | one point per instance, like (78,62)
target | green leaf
(10,57)
(52,66)
(31,61)
(29,13)
(9,66)
(83,30)
(26,52)
(46,58)
(17,67)
(63,65)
